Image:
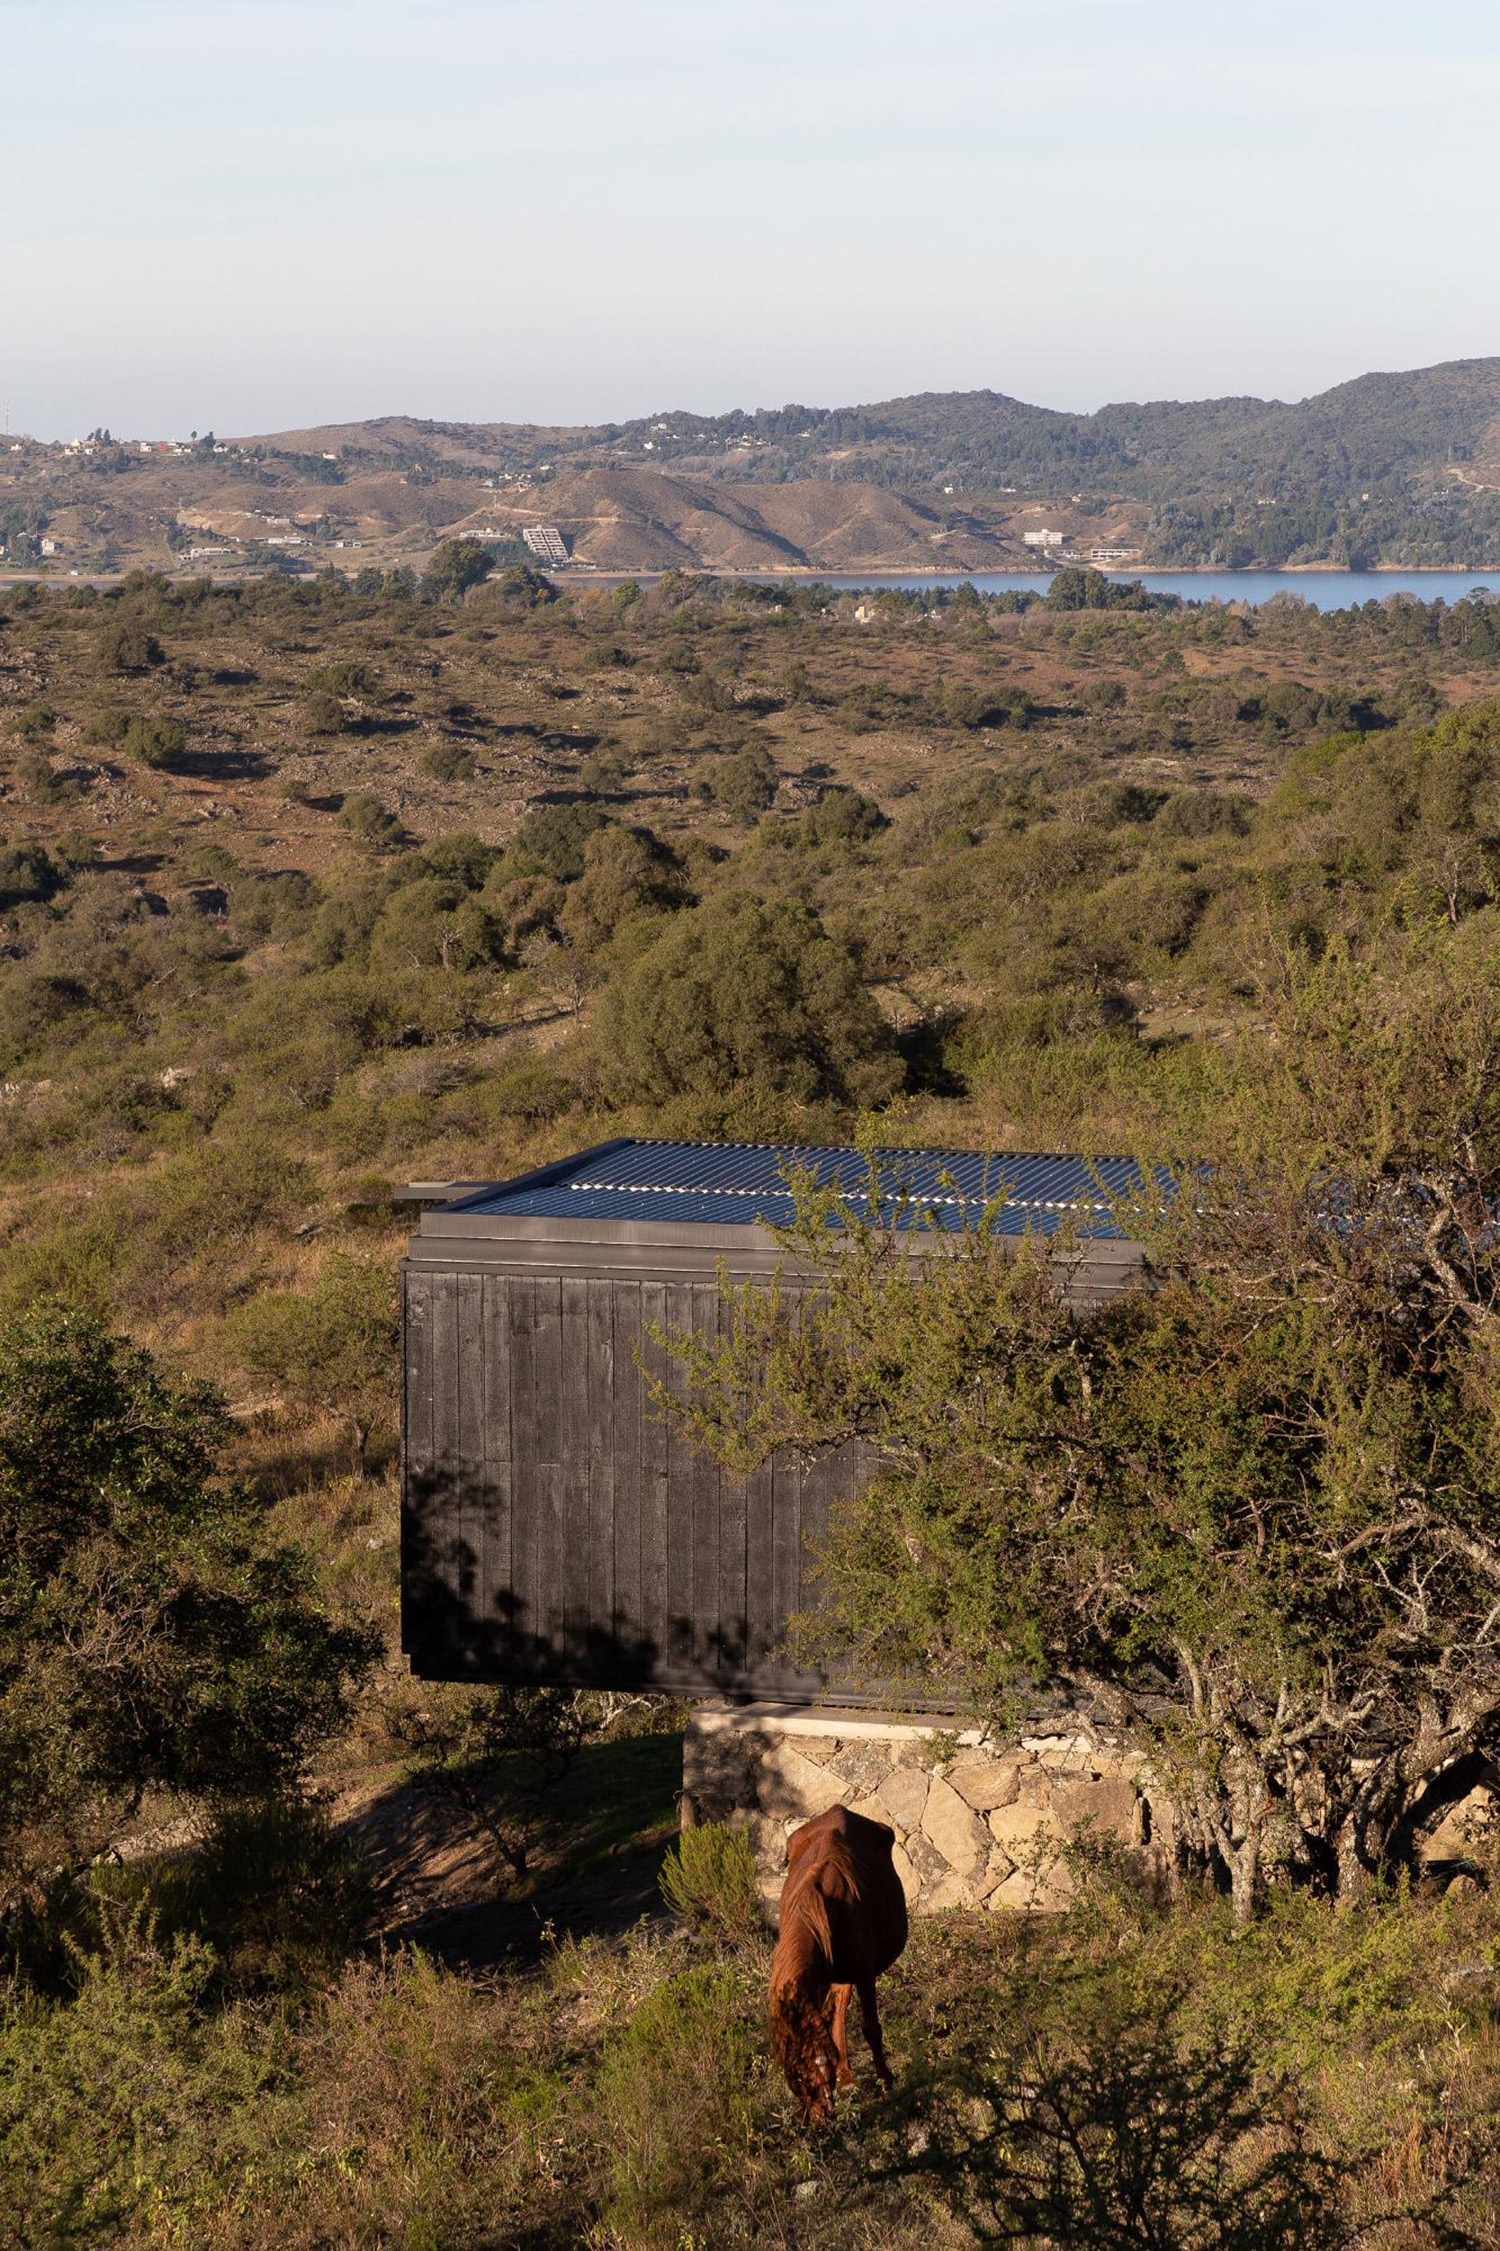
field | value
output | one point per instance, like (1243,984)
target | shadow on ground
(604,1834)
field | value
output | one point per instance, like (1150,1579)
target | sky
(251,217)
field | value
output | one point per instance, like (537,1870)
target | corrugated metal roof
(740,1183)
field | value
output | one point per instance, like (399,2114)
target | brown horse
(843,1921)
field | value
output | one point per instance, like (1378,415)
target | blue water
(1325,590)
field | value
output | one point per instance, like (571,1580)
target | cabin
(554,1529)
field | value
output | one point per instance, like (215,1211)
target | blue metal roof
(741,1183)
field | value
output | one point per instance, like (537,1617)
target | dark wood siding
(554,1529)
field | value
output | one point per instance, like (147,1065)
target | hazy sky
(253,214)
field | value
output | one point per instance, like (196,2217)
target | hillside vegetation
(310,888)
(1398,469)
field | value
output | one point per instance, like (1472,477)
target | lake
(1325,590)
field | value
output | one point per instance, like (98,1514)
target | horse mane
(800,1977)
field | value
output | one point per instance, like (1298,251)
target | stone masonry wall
(977,1825)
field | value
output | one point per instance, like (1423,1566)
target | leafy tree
(128,647)
(1247,1517)
(151,1635)
(747,992)
(454,566)
(523,588)
(333,1348)
(627,873)
(745,785)
(435,922)
(552,840)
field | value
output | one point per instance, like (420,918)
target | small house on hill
(553,1528)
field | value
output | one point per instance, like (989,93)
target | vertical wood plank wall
(554,1529)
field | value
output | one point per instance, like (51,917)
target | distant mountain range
(1389,469)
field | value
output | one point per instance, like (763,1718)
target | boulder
(955,1828)
(791,1785)
(864,1764)
(1111,1809)
(903,1793)
(1020,1828)
(984,1781)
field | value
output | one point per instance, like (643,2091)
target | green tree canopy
(454,566)
(1248,1517)
(746,992)
(152,1635)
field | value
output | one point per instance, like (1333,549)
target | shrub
(367,820)
(155,742)
(27,872)
(532,1092)
(344,678)
(128,647)
(550,842)
(335,1348)
(106,727)
(674,2099)
(709,1880)
(448,762)
(1204,812)
(323,714)
(745,785)
(278,1893)
(841,816)
(37,722)
(747,992)
(39,781)
(150,1634)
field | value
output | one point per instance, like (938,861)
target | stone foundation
(978,1824)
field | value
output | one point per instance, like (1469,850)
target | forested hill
(1395,468)
(1376,426)
(1402,470)
(1437,418)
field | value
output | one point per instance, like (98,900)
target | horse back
(844,1859)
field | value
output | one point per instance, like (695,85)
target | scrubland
(311,888)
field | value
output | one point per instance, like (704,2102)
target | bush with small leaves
(128,647)
(106,728)
(27,872)
(37,722)
(39,781)
(448,762)
(155,742)
(745,785)
(344,678)
(152,1635)
(281,1895)
(675,2097)
(708,1879)
(323,714)
(332,1348)
(746,994)
(550,842)
(367,819)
